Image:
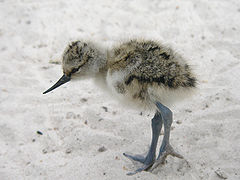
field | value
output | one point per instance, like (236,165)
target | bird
(140,72)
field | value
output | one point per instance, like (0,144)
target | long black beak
(60,82)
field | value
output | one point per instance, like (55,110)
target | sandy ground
(78,118)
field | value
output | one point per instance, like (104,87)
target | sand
(82,130)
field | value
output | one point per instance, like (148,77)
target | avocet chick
(140,72)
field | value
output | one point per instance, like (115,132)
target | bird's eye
(75,69)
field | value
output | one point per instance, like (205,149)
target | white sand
(34,32)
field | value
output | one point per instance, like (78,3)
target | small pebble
(39,132)
(83,100)
(85,122)
(102,149)
(188,110)
(221,174)
(3,48)
(33,140)
(28,22)
(44,151)
(105,108)
(45,67)
(80,30)
(179,122)
(68,151)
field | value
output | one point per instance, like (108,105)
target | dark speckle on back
(153,63)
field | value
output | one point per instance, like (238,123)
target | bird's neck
(99,65)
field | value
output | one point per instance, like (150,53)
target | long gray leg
(165,149)
(150,158)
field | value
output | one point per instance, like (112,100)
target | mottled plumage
(146,71)
(139,72)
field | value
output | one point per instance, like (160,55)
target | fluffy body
(144,72)
(138,72)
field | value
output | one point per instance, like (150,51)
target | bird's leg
(150,158)
(165,149)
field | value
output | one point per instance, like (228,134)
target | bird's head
(78,60)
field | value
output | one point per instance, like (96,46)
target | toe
(172,152)
(144,168)
(162,157)
(159,161)
(138,158)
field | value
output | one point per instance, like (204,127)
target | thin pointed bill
(60,82)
